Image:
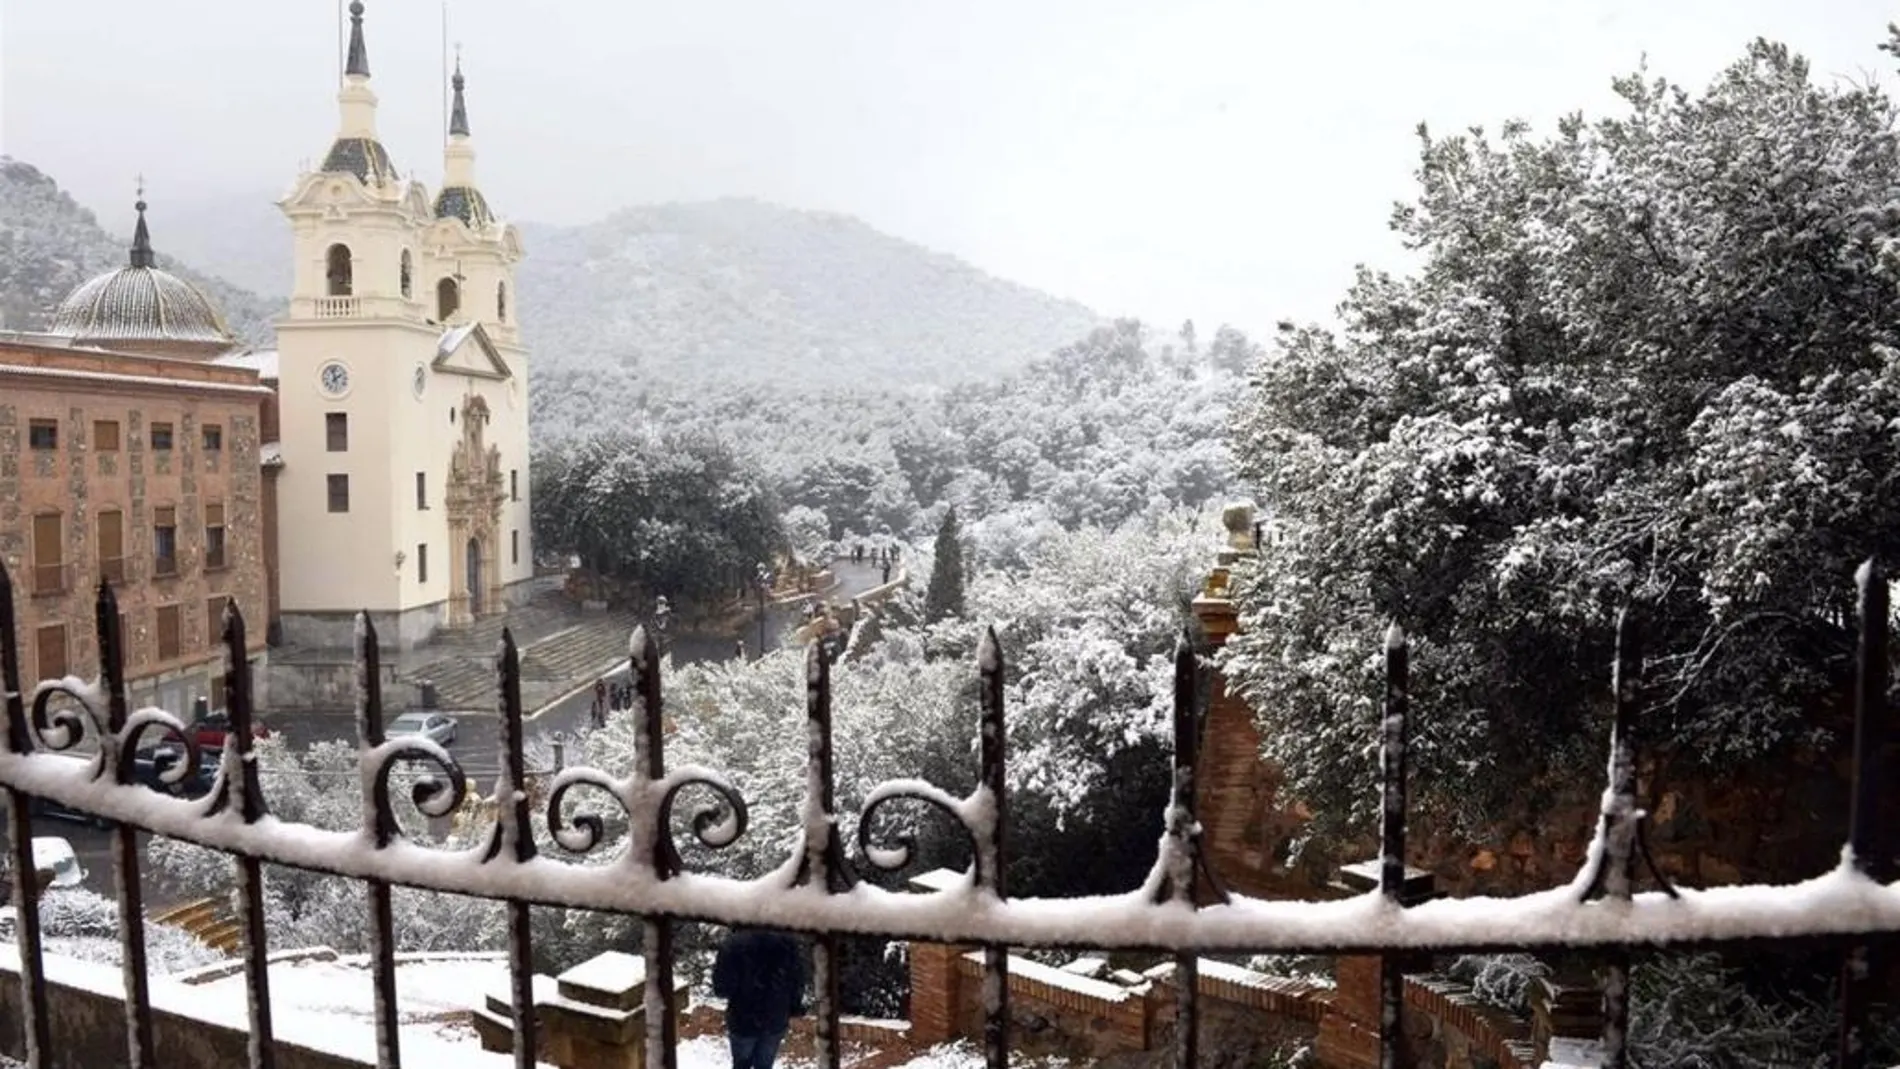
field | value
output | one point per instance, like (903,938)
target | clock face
(335,379)
(421,381)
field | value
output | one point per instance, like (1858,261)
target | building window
(406,273)
(501,302)
(49,644)
(514,485)
(42,433)
(162,437)
(448,299)
(422,562)
(214,438)
(128,641)
(214,624)
(168,645)
(105,435)
(336,431)
(337,264)
(49,562)
(422,490)
(339,493)
(214,536)
(112,546)
(165,541)
(514,547)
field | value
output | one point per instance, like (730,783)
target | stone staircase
(209,920)
(573,657)
(560,649)
(461,664)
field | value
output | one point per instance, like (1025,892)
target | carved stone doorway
(475,578)
(474,496)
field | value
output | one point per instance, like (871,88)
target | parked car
(214,729)
(435,726)
(148,769)
(56,858)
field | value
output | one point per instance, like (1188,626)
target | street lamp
(662,616)
(764,576)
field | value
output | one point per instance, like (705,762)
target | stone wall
(1703,830)
(86,1012)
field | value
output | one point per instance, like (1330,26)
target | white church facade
(403,392)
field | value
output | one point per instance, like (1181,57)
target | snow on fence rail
(1180,908)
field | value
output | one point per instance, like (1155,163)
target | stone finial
(1238,519)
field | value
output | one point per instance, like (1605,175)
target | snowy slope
(740,290)
(50,244)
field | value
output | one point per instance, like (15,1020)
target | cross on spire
(458,109)
(358,62)
(141,237)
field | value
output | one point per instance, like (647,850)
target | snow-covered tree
(945,594)
(677,515)
(1645,360)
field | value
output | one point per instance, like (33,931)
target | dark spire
(359,55)
(141,237)
(458,112)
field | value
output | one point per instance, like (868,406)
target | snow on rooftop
(262,361)
(452,339)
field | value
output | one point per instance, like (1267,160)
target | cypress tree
(944,597)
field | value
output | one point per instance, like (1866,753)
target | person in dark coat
(762,977)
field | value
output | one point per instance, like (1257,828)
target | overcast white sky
(1225,160)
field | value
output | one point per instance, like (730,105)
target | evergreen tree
(1651,361)
(945,595)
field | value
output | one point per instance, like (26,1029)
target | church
(402,391)
(377,459)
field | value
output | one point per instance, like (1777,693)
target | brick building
(126,455)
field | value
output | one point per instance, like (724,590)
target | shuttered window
(214,536)
(49,564)
(165,541)
(50,648)
(168,645)
(112,546)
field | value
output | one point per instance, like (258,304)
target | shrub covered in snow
(1651,359)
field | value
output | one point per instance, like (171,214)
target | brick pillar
(1237,795)
(933,992)
(1349,1030)
(1568,1005)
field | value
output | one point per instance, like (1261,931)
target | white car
(434,726)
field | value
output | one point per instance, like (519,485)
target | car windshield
(408,725)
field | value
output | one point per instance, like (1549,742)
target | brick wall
(79,479)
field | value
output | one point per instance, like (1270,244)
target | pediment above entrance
(468,350)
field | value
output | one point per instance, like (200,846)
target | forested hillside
(49,244)
(737,290)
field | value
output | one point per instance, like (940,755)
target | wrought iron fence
(1180,909)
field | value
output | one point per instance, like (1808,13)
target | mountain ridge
(687,293)
(50,243)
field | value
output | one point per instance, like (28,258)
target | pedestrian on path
(600,701)
(762,977)
(887,571)
(738,650)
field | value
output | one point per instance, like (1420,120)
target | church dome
(465,203)
(141,306)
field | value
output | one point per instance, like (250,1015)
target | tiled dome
(139,303)
(465,203)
